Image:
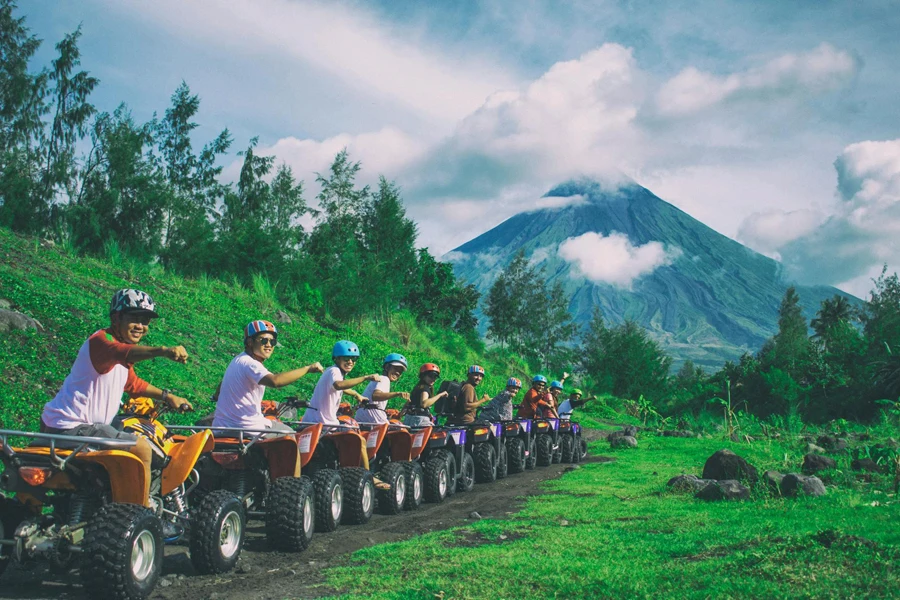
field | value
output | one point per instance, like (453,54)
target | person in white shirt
(326,397)
(572,402)
(377,393)
(240,395)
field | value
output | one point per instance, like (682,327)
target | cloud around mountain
(613,259)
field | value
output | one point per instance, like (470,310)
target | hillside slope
(70,296)
(716,300)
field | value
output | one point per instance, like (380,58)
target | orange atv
(83,499)
(262,468)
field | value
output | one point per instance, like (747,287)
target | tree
(508,303)
(21,92)
(881,315)
(791,342)
(832,312)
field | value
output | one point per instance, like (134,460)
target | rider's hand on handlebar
(404,395)
(179,404)
(177,353)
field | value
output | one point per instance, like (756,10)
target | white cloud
(613,259)
(822,69)
(767,231)
(559,201)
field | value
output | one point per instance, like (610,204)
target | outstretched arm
(346,384)
(278,380)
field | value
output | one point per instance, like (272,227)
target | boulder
(630,430)
(678,434)
(725,464)
(813,463)
(773,479)
(11,320)
(866,464)
(282,317)
(725,489)
(5,304)
(688,483)
(794,484)
(832,443)
(812,448)
(623,441)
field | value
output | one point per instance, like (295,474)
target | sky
(774,123)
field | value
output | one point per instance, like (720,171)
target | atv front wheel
(12,513)
(359,495)
(390,502)
(329,499)
(437,479)
(217,532)
(485,463)
(580,449)
(123,552)
(290,514)
(415,485)
(556,457)
(531,459)
(466,474)
(567,447)
(452,470)
(515,451)
(544,450)
(503,462)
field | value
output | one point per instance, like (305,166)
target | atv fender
(400,443)
(419,440)
(283,456)
(374,439)
(182,458)
(308,441)
(127,478)
(349,445)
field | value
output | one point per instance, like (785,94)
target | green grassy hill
(69,296)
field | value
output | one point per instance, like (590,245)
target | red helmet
(430,368)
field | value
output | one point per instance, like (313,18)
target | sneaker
(171,531)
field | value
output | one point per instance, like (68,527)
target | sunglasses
(142,319)
(266,341)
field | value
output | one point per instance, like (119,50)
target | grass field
(611,529)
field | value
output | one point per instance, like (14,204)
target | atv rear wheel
(217,532)
(328,499)
(567,446)
(531,459)
(437,479)
(452,470)
(359,495)
(415,485)
(12,513)
(466,474)
(556,457)
(544,450)
(123,552)
(580,449)
(390,502)
(290,514)
(485,463)
(515,451)
(503,462)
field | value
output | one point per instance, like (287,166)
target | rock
(165,582)
(773,479)
(832,443)
(563,522)
(572,468)
(813,463)
(475,515)
(630,430)
(5,304)
(725,489)
(812,448)
(688,483)
(11,320)
(243,569)
(866,464)
(725,464)
(793,484)
(624,441)
(678,434)
(610,436)
(282,317)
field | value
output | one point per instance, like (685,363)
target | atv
(84,500)
(519,444)
(546,435)
(485,442)
(448,465)
(573,447)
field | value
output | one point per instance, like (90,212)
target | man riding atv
(536,400)
(377,393)
(500,407)
(572,402)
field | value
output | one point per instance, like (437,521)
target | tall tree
(791,341)
(833,311)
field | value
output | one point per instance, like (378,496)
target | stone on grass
(725,464)
(794,484)
(282,317)
(813,449)
(813,463)
(623,441)
(832,443)
(866,464)
(630,430)
(725,489)
(773,479)
(11,320)
(688,483)
(678,434)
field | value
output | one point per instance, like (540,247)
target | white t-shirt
(565,409)
(325,399)
(373,415)
(241,395)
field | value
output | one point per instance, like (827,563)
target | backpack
(450,404)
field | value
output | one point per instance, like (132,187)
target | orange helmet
(430,368)
(344,408)
(348,420)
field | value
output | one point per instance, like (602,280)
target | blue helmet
(397,360)
(539,379)
(476,369)
(513,382)
(344,348)
(556,385)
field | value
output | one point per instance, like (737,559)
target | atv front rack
(82,444)
(246,437)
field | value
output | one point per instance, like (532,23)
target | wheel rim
(307,517)
(417,486)
(367,497)
(230,534)
(400,491)
(442,482)
(143,555)
(337,502)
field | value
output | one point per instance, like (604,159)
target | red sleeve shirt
(106,352)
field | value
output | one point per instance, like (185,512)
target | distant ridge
(715,300)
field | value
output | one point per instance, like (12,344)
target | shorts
(99,430)
(417,421)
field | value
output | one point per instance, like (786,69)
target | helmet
(577,392)
(430,368)
(348,421)
(556,385)
(397,360)
(345,348)
(539,379)
(254,328)
(129,300)
(476,369)
(513,382)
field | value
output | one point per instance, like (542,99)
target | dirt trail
(265,574)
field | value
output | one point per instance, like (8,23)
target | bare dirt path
(265,574)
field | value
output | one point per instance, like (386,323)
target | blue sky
(743,114)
